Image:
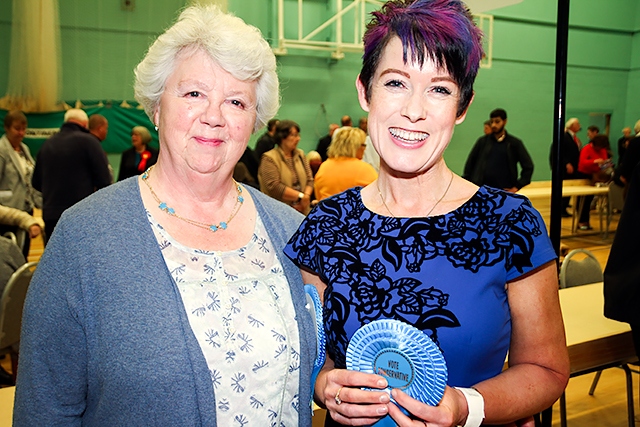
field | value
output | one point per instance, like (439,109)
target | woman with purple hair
(472,267)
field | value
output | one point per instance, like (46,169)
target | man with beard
(494,158)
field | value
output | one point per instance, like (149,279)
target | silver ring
(337,398)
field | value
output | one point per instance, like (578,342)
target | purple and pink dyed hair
(440,30)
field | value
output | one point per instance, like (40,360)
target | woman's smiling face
(206,115)
(412,111)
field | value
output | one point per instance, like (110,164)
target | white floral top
(241,312)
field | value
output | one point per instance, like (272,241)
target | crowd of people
(593,161)
(176,295)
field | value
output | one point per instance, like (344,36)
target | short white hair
(76,114)
(570,122)
(235,46)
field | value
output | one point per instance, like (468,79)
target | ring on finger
(337,397)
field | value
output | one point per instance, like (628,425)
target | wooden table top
(594,342)
(567,191)
(6,406)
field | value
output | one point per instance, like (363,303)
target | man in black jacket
(569,156)
(70,166)
(494,158)
(265,142)
(631,157)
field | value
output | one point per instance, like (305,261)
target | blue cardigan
(105,337)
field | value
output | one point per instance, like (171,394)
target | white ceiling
(479,6)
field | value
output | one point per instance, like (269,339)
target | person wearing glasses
(284,171)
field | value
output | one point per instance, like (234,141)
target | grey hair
(636,127)
(144,133)
(237,47)
(570,122)
(76,114)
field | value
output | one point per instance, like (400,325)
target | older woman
(284,172)
(16,170)
(344,168)
(471,267)
(138,158)
(165,298)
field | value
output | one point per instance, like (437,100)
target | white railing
(356,13)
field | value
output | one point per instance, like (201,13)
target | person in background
(266,141)
(487,128)
(165,299)
(16,170)
(284,172)
(346,121)
(494,158)
(314,159)
(622,272)
(325,141)
(592,159)
(344,168)
(623,142)
(363,124)
(631,157)
(569,157)
(11,259)
(370,156)
(99,127)
(250,163)
(421,245)
(70,166)
(138,158)
(592,131)
(242,175)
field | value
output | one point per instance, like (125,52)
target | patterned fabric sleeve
(302,247)
(530,246)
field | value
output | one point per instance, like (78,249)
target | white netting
(35,46)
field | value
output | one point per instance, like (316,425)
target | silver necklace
(430,210)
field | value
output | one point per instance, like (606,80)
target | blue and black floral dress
(447,275)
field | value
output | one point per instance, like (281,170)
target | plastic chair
(615,203)
(11,236)
(11,304)
(574,272)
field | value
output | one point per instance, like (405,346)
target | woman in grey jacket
(16,169)
(165,299)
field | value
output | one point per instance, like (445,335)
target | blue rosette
(314,306)
(401,353)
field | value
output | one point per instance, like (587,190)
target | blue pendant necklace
(170,211)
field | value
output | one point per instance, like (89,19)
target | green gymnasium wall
(101,45)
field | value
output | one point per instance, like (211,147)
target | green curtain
(122,117)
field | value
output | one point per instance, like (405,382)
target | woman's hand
(451,411)
(348,404)
(34,231)
(304,203)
